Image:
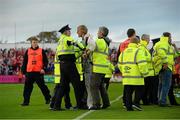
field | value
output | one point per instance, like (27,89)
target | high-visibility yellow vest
(143,47)
(57,76)
(110,70)
(133,65)
(163,53)
(78,54)
(62,47)
(100,57)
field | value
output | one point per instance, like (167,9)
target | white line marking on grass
(89,112)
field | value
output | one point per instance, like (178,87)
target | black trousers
(147,90)
(171,96)
(103,91)
(69,74)
(83,93)
(129,89)
(106,81)
(67,99)
(32,77)
(155,84)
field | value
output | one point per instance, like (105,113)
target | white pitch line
(89,112)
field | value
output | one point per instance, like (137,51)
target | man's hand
(84,55)
(173,44)
(42,71)
(165,66)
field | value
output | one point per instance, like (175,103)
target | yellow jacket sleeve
(119,62)
(162,54)
(142,63)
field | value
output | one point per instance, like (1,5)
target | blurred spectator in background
(11,60)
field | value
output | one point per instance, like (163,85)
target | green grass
(11,98)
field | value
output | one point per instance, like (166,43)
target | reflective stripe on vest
(65,51)
(61,47)
(35,60)
(133,63)
(103,53)
(100,65)
(132,76)
(99,57)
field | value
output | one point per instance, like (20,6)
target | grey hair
(104,30)
(145,36)
(135,40)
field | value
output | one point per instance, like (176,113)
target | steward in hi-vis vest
(147,93)
(133,66)
(163,61)
(100,69)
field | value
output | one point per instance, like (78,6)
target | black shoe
(164,105)
(51,108)
(146,103)
(137,107)
(48,101)
(24,104)
(130,109)
(57,109)
(70,108)
(85,107)
(94,108)
(175,104)
(80,108)
(105,106)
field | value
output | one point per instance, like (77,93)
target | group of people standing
(86,66)
(148,73)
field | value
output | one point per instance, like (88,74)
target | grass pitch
(11,98)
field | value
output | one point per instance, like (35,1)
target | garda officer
(34,66)
(163,63)
(57,78)
(100,68)
(68,70)
(147,92)
(132,64)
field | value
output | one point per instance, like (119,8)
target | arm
(119,62)
(118,52)
(162,53)
(76,44)
(122,47)
(45,60)
(91,44)
(177,53)
(25,61)
(142,63)
(90,47)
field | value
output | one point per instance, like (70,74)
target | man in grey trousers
(89,44)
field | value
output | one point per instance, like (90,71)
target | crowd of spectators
(11,60)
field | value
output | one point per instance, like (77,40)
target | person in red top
(34,65)
(131,33)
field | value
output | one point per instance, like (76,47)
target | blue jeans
(165,78)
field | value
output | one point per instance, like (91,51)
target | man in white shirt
(89,44)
